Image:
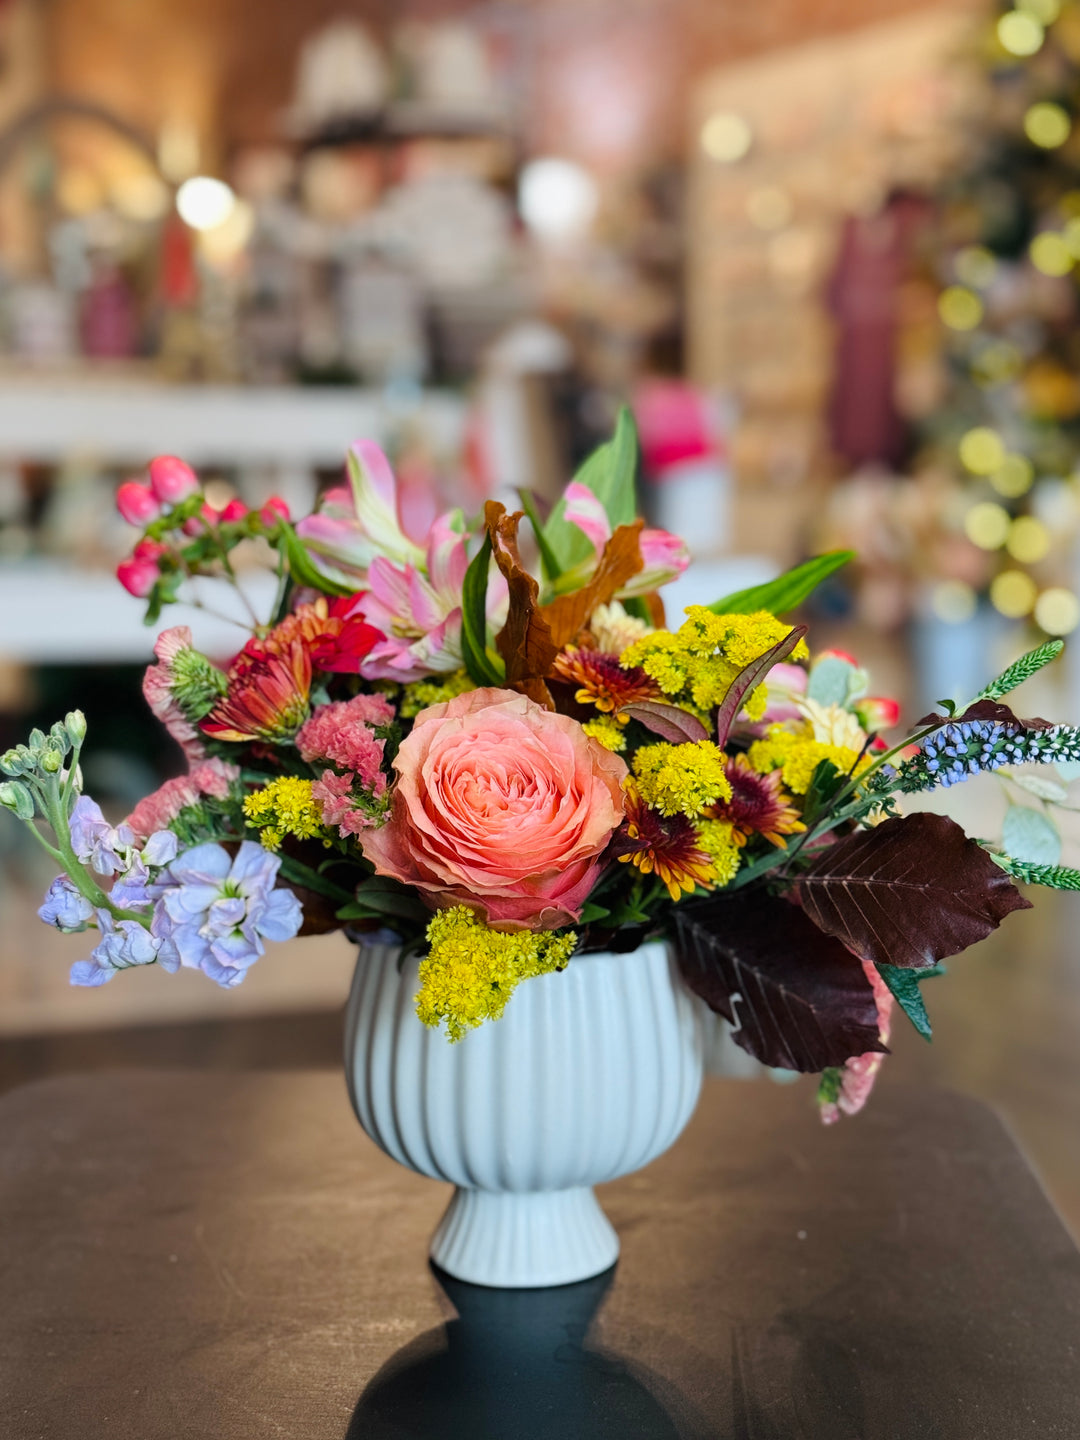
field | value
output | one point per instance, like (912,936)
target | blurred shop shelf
(126,419)
(54,614)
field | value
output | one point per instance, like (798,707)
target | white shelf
(127,420)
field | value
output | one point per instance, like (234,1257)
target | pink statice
(860,1072)
(210,779)
(342,733)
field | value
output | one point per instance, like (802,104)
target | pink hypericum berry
(137,503)
(273,510)
(234,510)
(138,573)
(171,480)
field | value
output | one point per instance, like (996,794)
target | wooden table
(228,1258)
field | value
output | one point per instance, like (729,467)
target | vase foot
(524,1241)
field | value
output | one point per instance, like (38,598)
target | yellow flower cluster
(471,970)
(797,754)
(422,693)
(717,839)
(697,664)
(608,731)
(285,807)
(681,779)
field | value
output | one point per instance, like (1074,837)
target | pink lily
(358,524)
(418,608)
(664,554)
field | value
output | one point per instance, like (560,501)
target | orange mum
(758,806)
(602,681)
(664,845)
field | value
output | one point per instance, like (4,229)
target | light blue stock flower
(124,943)
(217,910)
(64,907)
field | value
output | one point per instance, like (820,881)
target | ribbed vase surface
(589,1074)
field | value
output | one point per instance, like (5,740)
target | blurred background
(826,249)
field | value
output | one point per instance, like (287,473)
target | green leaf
(785,592)
(379,897)
(591,912)
(549,561)
(1022,669)
(1031,836)
(832,681)
(1042,787)
(610,473)
(904,985)
(302,568)
(478,662)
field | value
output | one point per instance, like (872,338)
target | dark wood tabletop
(216,1257)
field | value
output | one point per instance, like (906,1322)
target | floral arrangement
(489,745)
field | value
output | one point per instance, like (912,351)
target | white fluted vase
(590,1074)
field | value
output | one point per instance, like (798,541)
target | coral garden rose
(501,805)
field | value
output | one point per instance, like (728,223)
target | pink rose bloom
(501,805)
(209,779)
(861,1071)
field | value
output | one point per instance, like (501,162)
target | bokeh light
(1050,254)
(1020,33)
(1047,124)
(1013,593)
(975,266)
(954,601)
(1045,11)
(960,308)
(557,198)
(1028,540)
(1057,611)
(1013,477)
(987,525)
(204,203)
(726,137)
(982,450)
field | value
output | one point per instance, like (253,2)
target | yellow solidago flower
(422,693)
(699,662)
(797,756)
(285,807)
(718,839)
(471,971)
(681,779)
(608,731)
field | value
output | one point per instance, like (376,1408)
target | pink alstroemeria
(418,608)
(356,525)
(664,554)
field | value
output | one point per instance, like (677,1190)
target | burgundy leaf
(909,892)
(988,710)
(670,722)
(797,998)
(750,678)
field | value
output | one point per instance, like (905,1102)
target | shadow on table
(513,1366)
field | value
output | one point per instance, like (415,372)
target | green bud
(17,799)
(52,761)
(37,741)
(11,762)
(75,724)
(58,738)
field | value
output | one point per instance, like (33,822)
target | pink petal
(585,511)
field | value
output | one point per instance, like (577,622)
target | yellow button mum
(471,971)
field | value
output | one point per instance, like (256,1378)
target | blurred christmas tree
(1007,260)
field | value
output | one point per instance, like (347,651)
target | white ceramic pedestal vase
(591,1073)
